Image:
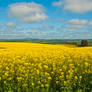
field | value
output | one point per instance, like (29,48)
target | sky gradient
(46,19)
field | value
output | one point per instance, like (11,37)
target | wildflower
(7,68)
(6,74)
(86,64)
(45,66)
(32,84)
(80,77)
(76,78)
(4,82)
(25,85)
(0,78)
(57,82)
(49,78)
(65,82)
(39,82)
(47,85)
(42,85)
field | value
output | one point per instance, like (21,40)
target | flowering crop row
(31,67)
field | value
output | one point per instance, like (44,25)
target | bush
(84,43)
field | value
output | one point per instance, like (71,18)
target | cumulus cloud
(30,19)
(48,26)
(77,6)
(78,21)
(75,27)
(10,24)
(90,23)
(59,3)
(0,26)
(27,12)
(76,24)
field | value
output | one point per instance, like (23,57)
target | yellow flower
(4,82)
(86,64)
(32,84)
(6,74)
(49,78)
(64,67)
(40,64)
(45,66)
(42,85)
(52,73)
(7,68)
(57,82)
(37,71)
(46,85)
(65,83)
(25,85)
(39,82)
(76,78)
(80,77)
(62,73)
(10,78)
(0,78)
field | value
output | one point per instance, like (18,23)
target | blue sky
(46,19)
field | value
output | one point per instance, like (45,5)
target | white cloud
(48,26)
(75,27)
(77,24)
(59,3)
(90,23)
(38,17)
(77,6)
(27,12)
(78,21)
(10,24)
(0,26)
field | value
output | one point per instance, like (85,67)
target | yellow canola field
(33,66)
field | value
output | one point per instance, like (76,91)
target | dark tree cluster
(84,43)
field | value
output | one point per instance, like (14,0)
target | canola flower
(32,67)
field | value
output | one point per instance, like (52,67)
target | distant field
(73,42)
(35,67)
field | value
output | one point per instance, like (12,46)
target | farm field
(34,67)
